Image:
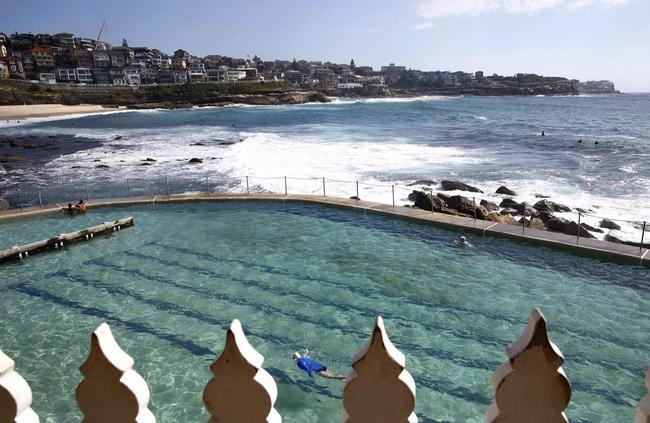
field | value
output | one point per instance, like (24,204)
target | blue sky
(584,39)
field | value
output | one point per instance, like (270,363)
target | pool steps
(530,386)
(581,246)
(24,251)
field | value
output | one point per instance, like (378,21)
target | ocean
(483,141)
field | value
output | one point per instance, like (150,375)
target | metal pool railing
(41,196)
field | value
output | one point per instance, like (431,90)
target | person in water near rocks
(313,367)
(81,206)
(543,133)
(462,240)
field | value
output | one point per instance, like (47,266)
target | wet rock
(505,190)
(102,166)
(4,204)
(426,202)
(226,142)
(195,160)
(542,196)
(489,205)
(197,143)
(458,186)
(557,224)
(149,159)
(443,197)
(581,210)
(509,203)
(425,182)
(545,216)
(612,238)
(546,205)
(145,164)
(462,204)
(573,228)
(482,213)
(526,209)
(500,218)
(119,137)
(536,223)
(508,211)
(97,160)
(591,228)
(608,224)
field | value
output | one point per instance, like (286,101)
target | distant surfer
(543,133)
(312,367)
(580,141)
(596,143)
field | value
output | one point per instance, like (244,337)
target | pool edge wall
(618,253)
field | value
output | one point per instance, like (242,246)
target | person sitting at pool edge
(70,210)
(81,206)
(312,367)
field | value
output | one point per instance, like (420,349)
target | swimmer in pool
(462,241)
(312,367)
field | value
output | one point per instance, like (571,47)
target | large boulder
(509,211)
(425,201)
(509,203)
(489,205)
(444,197)
(591,228)
(545,216)
(501,218)
(557,224)
(4,204)
(462,204)
(536,223)
(505,190)
(549,206)
(458,186)
(608,224)
(426,182)
(526,209)
(482,213)
(573,228)
(195,160)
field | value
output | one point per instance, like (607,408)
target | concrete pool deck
(585,247)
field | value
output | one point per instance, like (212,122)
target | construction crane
(99,35)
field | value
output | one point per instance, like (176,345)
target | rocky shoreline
(539,215)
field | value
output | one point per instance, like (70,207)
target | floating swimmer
(312,367)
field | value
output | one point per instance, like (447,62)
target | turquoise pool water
(304,276)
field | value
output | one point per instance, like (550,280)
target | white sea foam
(424,98)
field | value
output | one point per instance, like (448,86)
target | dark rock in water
(542,196)
(425,182)
(546,205)
(462,204)
(102,166)
(354,197)
(608,224)
(612,238)
(489,205)
(145,164)
(412,196)
(97,160)
(509,211)
(426,202)
(526,209)
(52,136)
(573,228)
(591,228)
(581,210)
(195,160)
(545,216)
(557,224)
(197,143)
(482,213)
(509,203)
(4,204)
(456,185)
(226,142)
(119,137)
(505,190)
(536,223)
(149,159)
(444,197)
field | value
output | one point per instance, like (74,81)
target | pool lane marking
(367,292)
(432,327)
(492,225)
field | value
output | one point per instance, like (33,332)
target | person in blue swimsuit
(312,367)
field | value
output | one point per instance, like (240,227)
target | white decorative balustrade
(529,387)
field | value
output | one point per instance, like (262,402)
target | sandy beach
(46,110)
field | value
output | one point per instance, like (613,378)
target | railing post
(86,189)
(167,183)
(323,186)
(247,190)
(642,235)
(128,184)
(40,199)
(20,199)
(578,234)
(285,186)
(474,205)
(393,193)
(357,189)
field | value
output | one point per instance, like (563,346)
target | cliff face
(597,87)
(174,96)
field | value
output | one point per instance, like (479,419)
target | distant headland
(63,68)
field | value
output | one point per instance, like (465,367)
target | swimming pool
(307,276)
